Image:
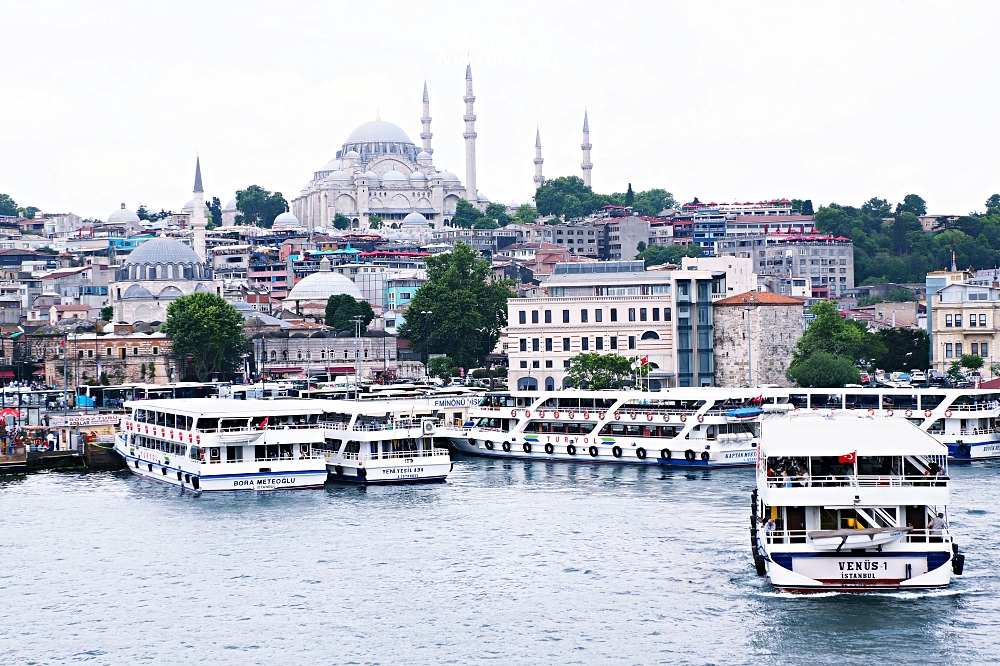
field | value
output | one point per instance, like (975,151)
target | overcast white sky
(106,102)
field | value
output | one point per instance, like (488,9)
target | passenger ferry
(382,441)
(692,427)
(224,444)
(851,503)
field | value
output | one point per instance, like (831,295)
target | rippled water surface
(510,563)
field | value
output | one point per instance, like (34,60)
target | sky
(109,102)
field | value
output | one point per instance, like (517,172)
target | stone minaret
(425,121)
(539,178)
(471,194)
(198,221)
(586,165)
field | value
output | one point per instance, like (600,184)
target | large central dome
(378,130)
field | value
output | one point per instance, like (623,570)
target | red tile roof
(759,298)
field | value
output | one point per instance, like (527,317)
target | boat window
(931,400)
(827,401)
(233,424)
(904,401)
(333,445)
(234,454)
(171,420)
(161,419)
(800,400)
(139,415)
(195,453)
(861,401)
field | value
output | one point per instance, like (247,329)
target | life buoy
(689,455)
(527,413)
(684,418)
(640,453)
(618,415)
(665,454)
(488,445)
(593,451)
(888,412)
(506,447)
(909,413)
(513,412)
(586,415)
(649,416)
(871,411)
(947,413)
(570,414)
(704,456)
(190,438)
(632,415)
(541,413)
(927,413)
(666,417)
(147,429)
(549,449)
(171,434)
(796,408)
(571,450)
(701,418)
(198,439)
(616,451)
(526,447)
(601,415)
(555,414)
(963,450)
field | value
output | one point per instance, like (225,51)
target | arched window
(274,355)
(650,335)
(299,356)
(284,355)
(550,384)
(309,356)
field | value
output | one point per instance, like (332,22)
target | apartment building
(963,317)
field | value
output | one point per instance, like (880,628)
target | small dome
(230,206)
(423,155)
(339,175)
(416,175)
(332,165)
(137,291)
(447,176)
(393,175)
(371,175)
(352,155)
(189,208)
(378,131)
(323,284)
(286,219)
(123,216)
(414,219)
(161,250)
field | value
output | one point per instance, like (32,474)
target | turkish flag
(849,458)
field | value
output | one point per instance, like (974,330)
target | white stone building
(755,335)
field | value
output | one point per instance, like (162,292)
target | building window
(548,364)
(524,344)
(522,317)
(534,316)
(135,351)
(982,320)
(565,316)
(642,314)
(156,351)
(524,364)
(656,314)
(565,344)
(975,348)
(948,321)
(584,344)
(614,314)
(958,322)
(614,342)
(666,314)
(535,344)
(598,314)
(107,351)
(583,316)
(599,343)
(983,350)
(972,321)
(566,363)
(958,349)
(548,344)
(631,314)
(631,342)
(534,364)
(548,316)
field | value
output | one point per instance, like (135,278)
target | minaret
(425,133)
(198,223)
(471,194)
(586,165)
(539,178)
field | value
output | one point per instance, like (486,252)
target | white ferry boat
(224,444)
(696,427)
(382,441)
(851,503)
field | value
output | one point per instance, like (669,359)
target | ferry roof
(820,435)
(224,407)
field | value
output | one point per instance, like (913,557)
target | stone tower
(539,178)
(198,223)
(586,165)
(425,122)
(471,194)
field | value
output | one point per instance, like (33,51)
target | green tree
(832,334)
(215,208)
(440,366)
(823,369)
(467,308)
(258,206)
(567,196)
(600,371)
(629,196)
(485,223)
(807,207)
(28,212)
(912,204)
(341,221)
(993,205)
(497,212)
(8,207)
(905,349)
(466,215)
(971,361)
(652,202)
(341,309)
(206,334)
(657,255)
(525,214)
(905,224)
(375,221)
(107,313)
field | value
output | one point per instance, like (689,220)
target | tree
(258,206)
(107,313)
(29,212)
(215,208)
(567,196)
(832,335)
(467,308)
(525,214)
(906,349)
(971,361)
(341,221)
(657,255)
(807,207)
(993,205)
(651,202)
(206,333)
(375,221)
(600,371)
(440,366)
(466,215)
(8,207)
(912,204)
(629,196)
(497,212)
(341,309)
(823,369)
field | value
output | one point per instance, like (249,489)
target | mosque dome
(332,165)
(393,175)
(230,206)
(323,284)
(161,250)
(416,175)
(352,155)
(378,131)
(414,219)
(371,175)
(339,175)
(286,219)
(189,208)
(123,216)
(423,155)
(447,176)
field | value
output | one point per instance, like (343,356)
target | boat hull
(402,471)
(868,572)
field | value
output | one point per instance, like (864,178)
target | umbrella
(9,411)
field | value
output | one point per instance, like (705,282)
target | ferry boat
(851,503)
(694,427)
(382,441)
(224,444)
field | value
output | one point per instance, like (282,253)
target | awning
(816,435)
(282,370)
(6,374)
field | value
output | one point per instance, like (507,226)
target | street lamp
(427,367)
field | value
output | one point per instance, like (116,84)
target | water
(507,563)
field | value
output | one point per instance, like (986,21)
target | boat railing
(398,424)
(297,456)
(976,431)
(393,455)
(856,481)
(912,536)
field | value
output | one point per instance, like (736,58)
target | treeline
(567,197)
(890,244)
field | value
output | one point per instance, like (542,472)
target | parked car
(866,379)
(918,377)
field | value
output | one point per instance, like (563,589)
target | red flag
(759,398)
(645,360)
(263,424)
(848,458)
